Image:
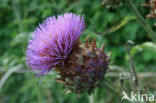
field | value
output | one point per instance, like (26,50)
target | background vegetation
(18,20)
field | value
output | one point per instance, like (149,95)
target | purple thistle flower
(52,42)
(55,44)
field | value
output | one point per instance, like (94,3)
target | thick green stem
(91,99)
(141,20)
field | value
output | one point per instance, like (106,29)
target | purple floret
(53,41)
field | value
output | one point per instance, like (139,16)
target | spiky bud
(85,68)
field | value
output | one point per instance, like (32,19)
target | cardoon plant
(55,46)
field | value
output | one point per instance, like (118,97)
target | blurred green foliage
(18,20)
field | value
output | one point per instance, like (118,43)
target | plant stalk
(141,20)
(91,98)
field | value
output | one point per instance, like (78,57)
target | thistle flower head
(53,41)
(55,45)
